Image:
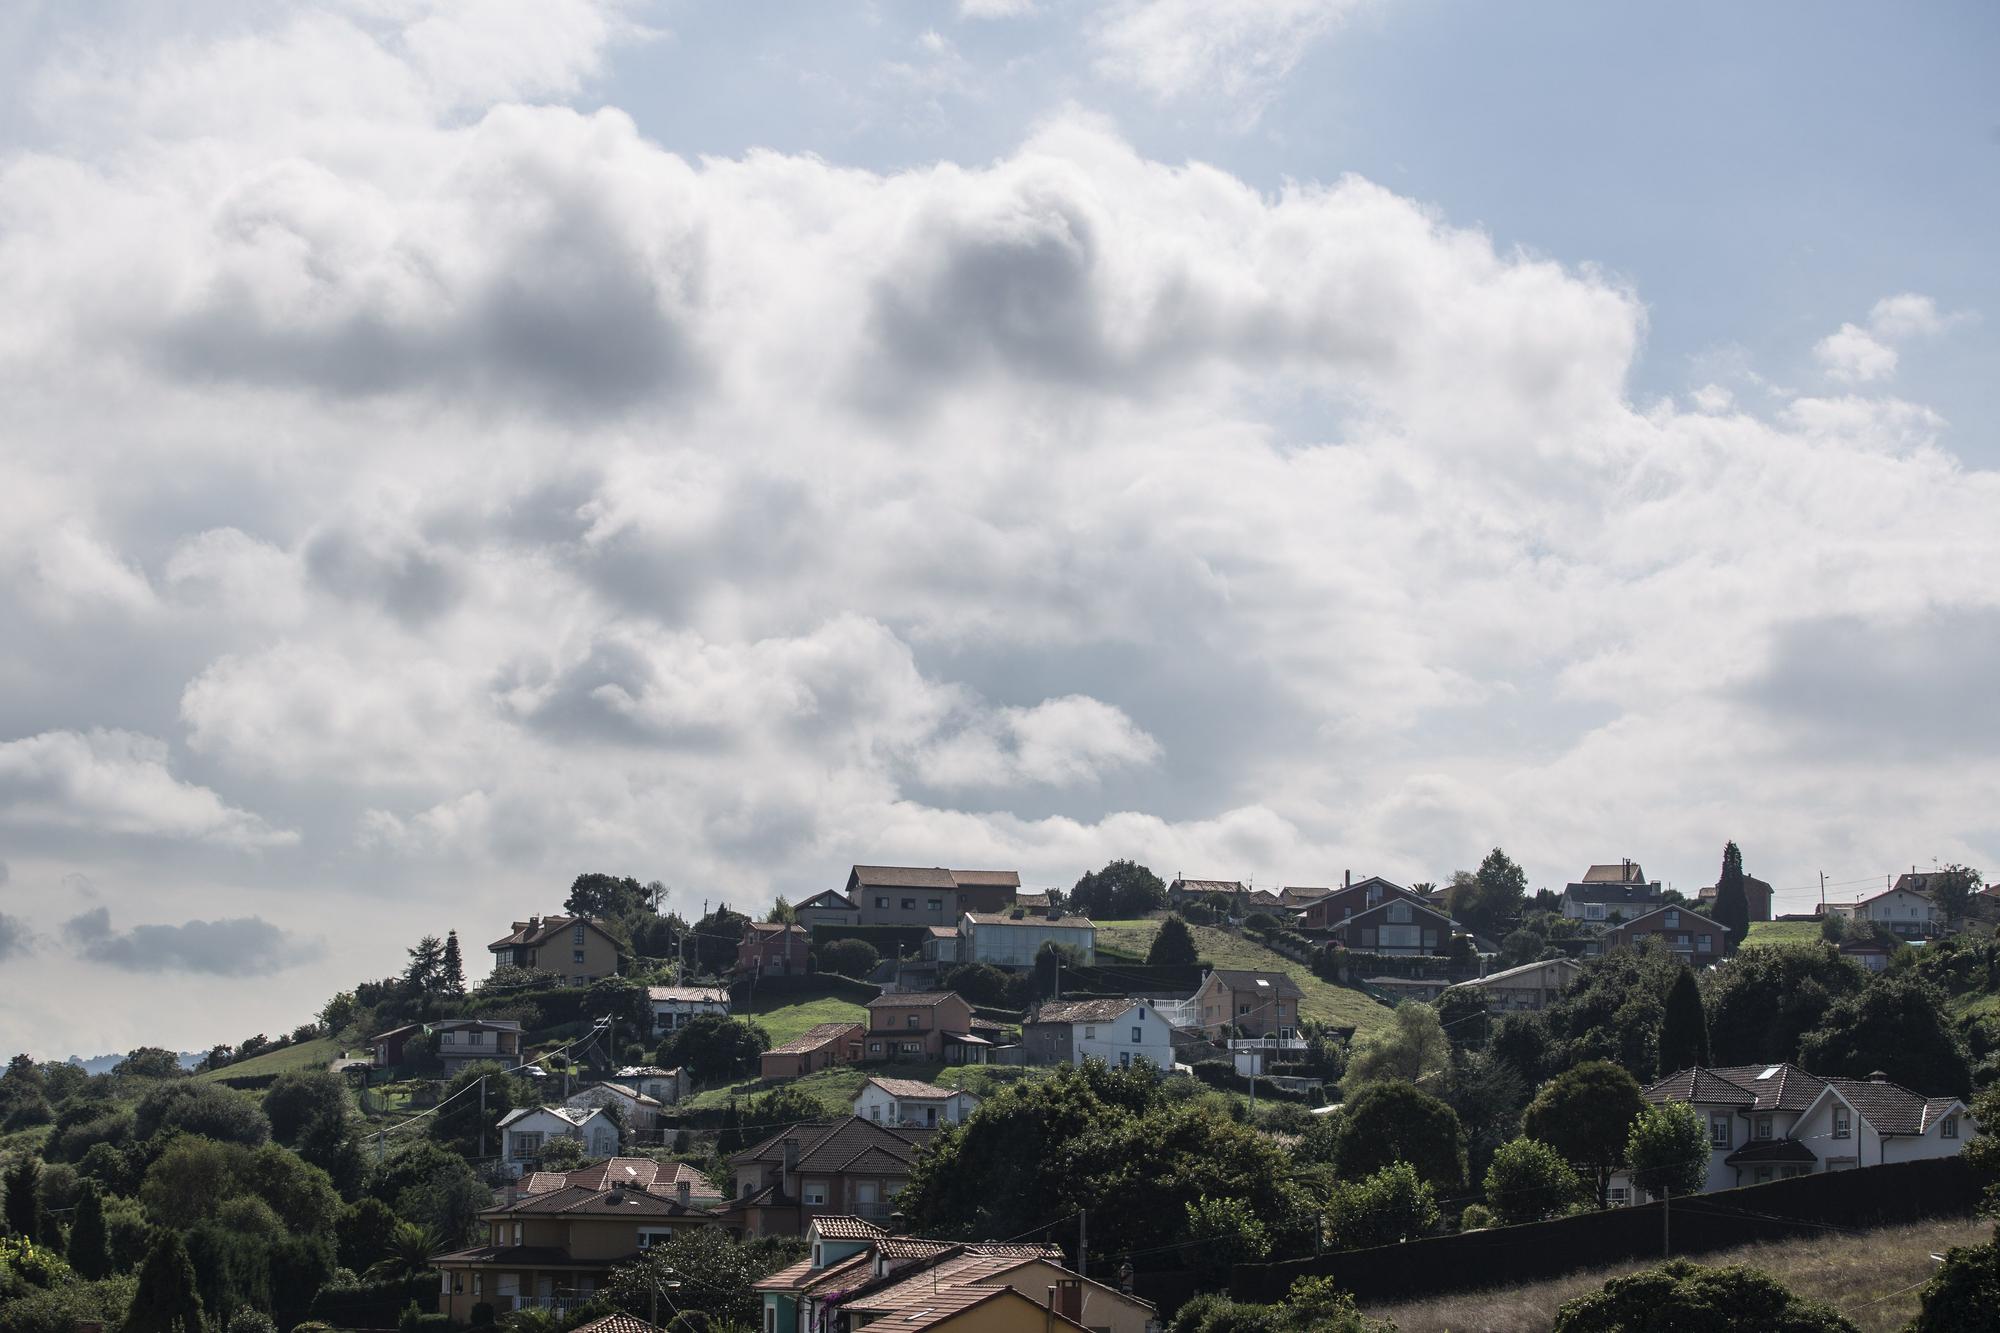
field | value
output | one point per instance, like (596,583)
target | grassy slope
(306,1055)
(1851,1272)
(1324,1002)
(1764,934)
(836,1088)
(787,1017)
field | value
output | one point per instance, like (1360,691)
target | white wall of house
(669,1015)
(1819,1127)
(637,1114)
(1138,1033)
(1900,909)
(1015,943)
(884,1107)
(523,1139)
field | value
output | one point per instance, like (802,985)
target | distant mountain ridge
(104,1064)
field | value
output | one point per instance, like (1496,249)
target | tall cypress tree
(453,966)
(1732,905)
(1684,1029)
(88,1251)
(24,1201)
(165,1301)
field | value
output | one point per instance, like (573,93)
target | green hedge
(889,941)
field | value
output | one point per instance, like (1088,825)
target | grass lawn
(316,1054)
(1324,1002)
(1863,1275)
(1765,934)
(786,1017)
(836,1088)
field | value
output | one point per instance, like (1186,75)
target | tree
(1684,1027)
(703,1270)
(207,1109)
(1463,1015)
(1123,889)
(1173,945)
(1411,1048)
(1392,1205)
(149,1062)
(1231,1234)
(1897,1026)
(1681,1295)
(1489,898)
(785,1105)
(432,1187)
(89,1251)
(451,967)
(1668,1150)
(1586,1114)
(714,1047)
(295,1099)
(1964,1293)
(730,1138)
(1732,905)
(363,1233)
(607,897)
(24,1197)
(408,1251)
(1766,1000)
(1528,1181)
(1398,1122)
(1488,1095)
(782,912)
(462,1121)
(849,958)
(1952,888)
(164,1300)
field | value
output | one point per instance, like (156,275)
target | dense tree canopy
(1681,1295)
(1586,1114)
(715,1047)
(1490,898)
(1528,1181)
(1897,1026)
(1668,1150)
(1173,945)
(1398,1122)
(1392,1205)
(1683,1027)
(1767,999)
(1411,1049)
(1732,904)
(1121,890)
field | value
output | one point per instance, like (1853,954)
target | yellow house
(575,948)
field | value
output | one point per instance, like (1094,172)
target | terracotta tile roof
(688,994)
(617,1323)
(1303,893)
(1082,1011)
(1208,885)
(840,1226)
(902,877)
(777,928)
(987,879)
(915,998)
(910,1087)
(662,1178)
(542,930)
(913,1247)
(802,1276)
(816,1036)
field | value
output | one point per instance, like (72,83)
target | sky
(453,447)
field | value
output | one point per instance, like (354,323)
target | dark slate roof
(832,900)
(1083,1011)
(987,879)
(1615,895)
(1766,1151)
(1890,1107)
(1280,982)
(829,1147)
(902,877)
(538,932)
(526,1256)
(1702,1086)
(1789,1088)
(580,1200)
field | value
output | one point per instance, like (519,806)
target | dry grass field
(1871,1277)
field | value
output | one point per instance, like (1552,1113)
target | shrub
(849,957)
(1529,1181)
(1476,1217)
(482,1314)
(1684,1295)
(1392,1205)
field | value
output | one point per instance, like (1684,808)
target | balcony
(562,1306)
(1283,1041)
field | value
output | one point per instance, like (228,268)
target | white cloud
(1238,49)
(117,782)
(1059,742)
(1854,355)
(995,9)
(234,947)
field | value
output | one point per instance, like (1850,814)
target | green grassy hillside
(786,1017)
(1324,1002)
(836,1088)
(1767,934)
(306,1055)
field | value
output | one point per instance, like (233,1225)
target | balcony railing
(558,1305)
(1283,1042)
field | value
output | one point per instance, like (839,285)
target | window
(651,1236)
(913,1048)
(909,904)
(1704,944)
(527,1145)
(1762,1176)
(1616,1195)
(910,1021)
(1399,913)
(1948,1127)
(770,1317)
(1138,1034)
(1593,911)
(874,1048)
(576,957)
(1673,919)
(577,938)
(937,904)
(1124,1059)
(517,1233)
(814,1194)
(1719,1129)
(1242,1009)
(1763,1127)
(1841,1125)
(1089,1032)
(445,1038)
(875,1114)
(881,900)
(479,1284)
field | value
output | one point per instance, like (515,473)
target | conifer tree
(24,1205)
(1173,946)
(452,966)
(165,1300)
(1732,905)
(730,1140)
(88,1252)
(1684,1029)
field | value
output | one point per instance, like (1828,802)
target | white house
(673,1006)
(526,1130)
(1908,914)
(634,1109)
(906,1101)
(665,1086)
(1117,1032)
(1013,938)
(1769,1122)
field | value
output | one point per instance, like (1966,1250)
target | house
(673,1006)
(666,1086)
(852,1166)
(1529,988)
(1685,932)
(840,1254)
(916,896)
(924,1026)
(1871,954)
(1903,911)
(526,1130)
(907,1101)
(773,949)
(1118,1032)
(1260,1003)
(1263,900)
(828,907)
(464,1041)
(1399,924)
(552,1247)
(1183,891)
(1769,1122)
(1012,938)
(1295,896)
(940,945)
(1341,904)
(575,948)
(1608,904)
(1756,895)
(1038,900)
(820,1046)
(635,1110)
(392,1047)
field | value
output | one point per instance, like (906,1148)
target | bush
(1260,921)
(1529,1181)
(1216,1073)
(482,1314)
(1476,1217)
(850,958)
(1392,1205)
(1684,1295)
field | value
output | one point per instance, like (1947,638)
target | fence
(1508,1256)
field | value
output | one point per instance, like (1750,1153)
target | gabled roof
(575,1115)
(1405,899)
(1568,965)
(914,1089)
(540,931)
(1700,1086)
(1779,1087)
(1278,983)
(901,877)
(1682,908)
(803,1277)
(814,1037)
(775,928)
(632,1095)
(831,900)
(914,999)
(1617,872)
(1613,895)
(688,994)
(1084,1011)
(1890,1107)
(475,1025)
(840,1226)
(1299,895)
(986,879)
(1230,886)
(828,1147)
(638,1172)
(617,1323)
(617,1201)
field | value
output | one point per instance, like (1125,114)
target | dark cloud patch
(1855,687)
(603,698)
(244,946)
(759,531)
(567,316)
(15,937)
(415,584)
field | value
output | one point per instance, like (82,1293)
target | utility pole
(482,1116)
(1666,1243)
(1822,893)
(1082,1242)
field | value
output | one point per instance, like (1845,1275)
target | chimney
(682,1191)
(1347,879)
(1069,1300)
(1878,1076)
